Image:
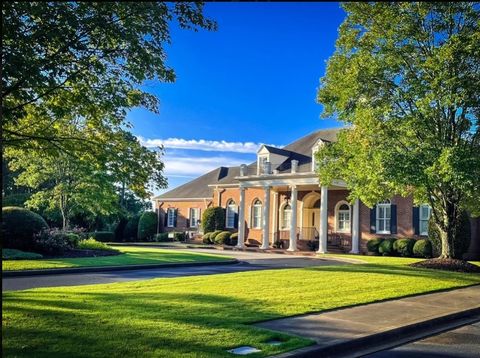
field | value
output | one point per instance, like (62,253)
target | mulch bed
(84,253)
(448,265)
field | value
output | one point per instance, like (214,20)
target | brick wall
(183,213)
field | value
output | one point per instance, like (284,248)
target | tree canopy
(404,79)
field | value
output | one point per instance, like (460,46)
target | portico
(296,214)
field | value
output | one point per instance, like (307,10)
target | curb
(112,268)
(385,340)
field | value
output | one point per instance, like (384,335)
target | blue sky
(252,81)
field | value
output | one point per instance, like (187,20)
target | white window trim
(171,217)
(337,211)
(424,233)
(227,210)
(282,221)
(252,214)
(260,163)
(386,204)
(197,212)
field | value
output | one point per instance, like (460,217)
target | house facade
(277,200)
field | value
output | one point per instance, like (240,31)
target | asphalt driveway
(249,261)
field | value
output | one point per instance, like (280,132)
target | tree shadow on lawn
(124,324)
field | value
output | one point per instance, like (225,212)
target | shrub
(131,229)
(422,248)
(54,241)
(13,254)
(147,226)
(213,219)
(92,244)
(179,236)
(214,234)
(206,239)
(223,237)
(373,244)
(461,241)
(17,199)
(103,236)
(404,247)
(162,237)
(386,247)
(233,239)
(19,227)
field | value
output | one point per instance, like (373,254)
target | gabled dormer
(269,157)
(318,144)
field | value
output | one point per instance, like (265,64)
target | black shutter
(416,220)
(165,218)
(188,219)
(175,217)
(393,219)
(235,222)
(373,219)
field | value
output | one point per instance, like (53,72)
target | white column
(266,218)
(322,247)
(274,216)
(293,227)
(241,219)
(356,227)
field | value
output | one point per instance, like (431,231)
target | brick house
(278,199)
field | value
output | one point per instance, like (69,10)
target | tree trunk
(449,230)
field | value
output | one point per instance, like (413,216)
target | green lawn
(129,256)
(198,316)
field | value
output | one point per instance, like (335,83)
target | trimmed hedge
(206,238)
(373,244)
(223,238)
(233,239)
(131,229)
(422,248)
(92,244)
(404,247)
(214,234)
(102,236)
(162,237)
(147,226)
(179,236)
(386,247)
(19,226)
(213,219)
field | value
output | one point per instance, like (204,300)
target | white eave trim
(182,199)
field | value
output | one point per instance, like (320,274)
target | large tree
(405,80)
(83,58)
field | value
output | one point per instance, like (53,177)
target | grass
(199,316)
(129,256)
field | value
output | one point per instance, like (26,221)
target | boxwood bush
(19,226)
(233,239)
(179,236)
(213,219)
(386,247)
(223,238)
(162,237)
(206,238)
(92,244)
(147,226)
(404,247)
(373,244)
(214,234)
(103,236)
(422,248)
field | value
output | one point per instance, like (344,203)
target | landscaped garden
(200,316)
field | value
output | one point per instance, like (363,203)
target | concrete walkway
(334,328)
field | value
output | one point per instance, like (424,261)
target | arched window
(257,214)
(231,214)
(286,217)
(342,217)
(384,215)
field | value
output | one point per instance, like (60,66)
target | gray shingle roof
(300,150)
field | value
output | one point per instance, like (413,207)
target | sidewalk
(350,332)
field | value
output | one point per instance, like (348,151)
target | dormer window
(262,159)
